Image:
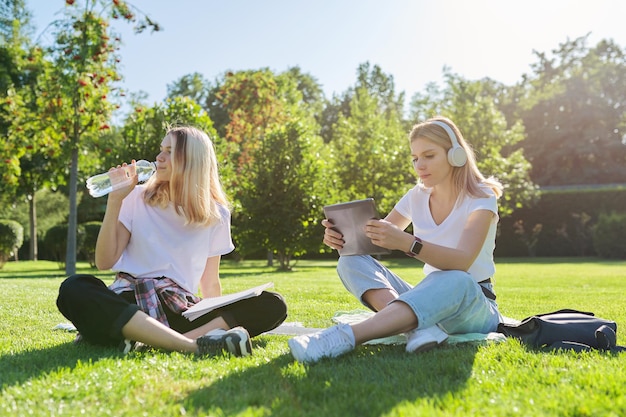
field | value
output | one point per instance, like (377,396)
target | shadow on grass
(44,273)
(240,273)
(371,381)
(16,369)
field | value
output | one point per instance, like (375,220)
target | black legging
(99,313)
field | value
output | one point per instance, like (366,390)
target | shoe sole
(426,347)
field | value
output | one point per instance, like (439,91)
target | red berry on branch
(69,2)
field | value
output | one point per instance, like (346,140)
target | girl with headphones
(454,213)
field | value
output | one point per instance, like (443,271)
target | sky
(411,40)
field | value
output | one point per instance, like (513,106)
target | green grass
(43,374)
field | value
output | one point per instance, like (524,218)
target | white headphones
(457,157)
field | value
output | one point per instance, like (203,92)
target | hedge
(562,223)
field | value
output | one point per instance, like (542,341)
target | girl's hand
(332,237)
(387,235)
(120,175)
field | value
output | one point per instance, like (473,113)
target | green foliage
(89,244)
(609,235)
(574,111)
(370,154)
(55,241)
(280,204)
(145,127)
(254,102)
(52,206)
(566,218)
(11,238)
(56,115)
(193,86)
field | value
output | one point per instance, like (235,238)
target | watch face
(416,247)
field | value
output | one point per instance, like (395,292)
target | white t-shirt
(414,206)
(162,245)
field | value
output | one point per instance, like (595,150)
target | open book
(209,304)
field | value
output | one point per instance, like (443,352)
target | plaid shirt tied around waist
(148,290)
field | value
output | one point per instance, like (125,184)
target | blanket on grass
(353,317)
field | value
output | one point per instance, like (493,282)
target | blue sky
(412,40)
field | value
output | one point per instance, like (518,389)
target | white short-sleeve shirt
(414,205)
(162,245)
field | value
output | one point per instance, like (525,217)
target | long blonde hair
(467,178)
(194,188)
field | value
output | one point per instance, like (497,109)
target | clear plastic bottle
(102,184)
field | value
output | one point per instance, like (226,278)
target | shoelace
(333,339)
(210,344)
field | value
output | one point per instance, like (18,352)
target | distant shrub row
(562,223)
(567,223)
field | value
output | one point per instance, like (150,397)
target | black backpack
(564,329)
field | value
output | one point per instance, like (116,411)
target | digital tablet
(349,219)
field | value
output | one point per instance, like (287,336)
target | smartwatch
(416,247)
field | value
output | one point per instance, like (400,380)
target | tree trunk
(32,212)
(70,260)
(284,261)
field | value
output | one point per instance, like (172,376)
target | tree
(193,86)
(282,203)
(144,128)
(257,104)
(368,142)
(14,18)
(381,86)
(254,103)
(471,105)
(574,110)
(30,147)
(371,79)
(81,84)
(370,153)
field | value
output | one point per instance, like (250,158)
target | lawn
(42,373)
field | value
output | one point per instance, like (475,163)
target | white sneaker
(328,343)
(425,339)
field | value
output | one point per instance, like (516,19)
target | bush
(567,219)
(608,236)
(55,241)
(11,238)
(89,245)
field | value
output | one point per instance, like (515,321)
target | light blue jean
(453,300)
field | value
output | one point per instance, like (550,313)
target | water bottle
(102,184)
